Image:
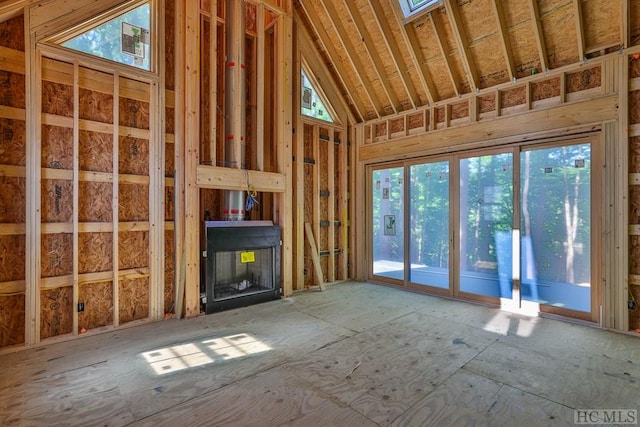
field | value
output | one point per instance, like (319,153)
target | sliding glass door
(510,226)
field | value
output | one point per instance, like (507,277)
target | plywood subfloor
(357,354)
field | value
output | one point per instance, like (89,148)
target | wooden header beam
(239,179)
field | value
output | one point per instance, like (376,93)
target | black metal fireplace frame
(225,236)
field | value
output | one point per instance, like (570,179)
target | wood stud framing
(577,5)
(539,35)
(463,44)
(506,42)
(456,80)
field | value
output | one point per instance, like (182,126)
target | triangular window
(124,39)
(310,100)
(412,7)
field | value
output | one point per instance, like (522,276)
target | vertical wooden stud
(331,205)
(76,190)
(260,66)
(115,203)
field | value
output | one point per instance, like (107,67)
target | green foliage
(318,110)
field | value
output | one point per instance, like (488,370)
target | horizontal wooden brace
(239,179)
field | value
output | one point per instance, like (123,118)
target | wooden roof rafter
(537,30)
(354,58)
(577,5)
(451,7)
(409,35)
(438,29)
(625,16)
(506,43)
(370,47)
(394,49)
(323,38)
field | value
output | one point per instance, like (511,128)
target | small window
(411,7)
(124,39)
(311,104)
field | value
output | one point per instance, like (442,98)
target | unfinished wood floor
(357,354)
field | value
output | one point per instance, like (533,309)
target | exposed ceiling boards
(387,66)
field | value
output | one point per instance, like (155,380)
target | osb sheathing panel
(397,125)
(602,19)
(380,129)
(96,151)
(170,120)
(486,103)
(459,110)
(455,54)
(56,312)
(323,239)
(169,271)
(396,34)
(545,89)
(98,305)
(634,107)
(95,252)
(12,200)
(415,121)
(634,154)
(169,44)
(12,258)
(308,193)
(133,248)
(169,203)
(133,299)
(250,17)
(634,315)
(57,201)
(513,97)
(12,33)
(324,265)
(583,80)
(12,317)
(12,89)
(634,255)
(95,202)
(430,51)
(57,147)
(634,68)
(57,99)
(134,202)
(559,28)
(211,204)
(12,142)
(440,115)
(634,22)
(134,113)
(57,254)
(634,206)
(133,156)
(520,30)
(205,92)
(479,23)
(95,106)
(169,160)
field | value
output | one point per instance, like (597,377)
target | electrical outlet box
(631,304)
(80,307)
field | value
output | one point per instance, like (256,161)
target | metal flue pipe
(235,104)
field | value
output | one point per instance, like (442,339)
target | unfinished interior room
(319,212)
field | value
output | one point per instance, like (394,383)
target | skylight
(124,39)
(412,7)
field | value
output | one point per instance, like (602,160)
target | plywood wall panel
(169,160)
(634,22)
(634,207)
(57,147)
(56,312)
(634,68)
(634,107)
(169,124)
(12,319)
(96,151)
(12,258)
(559,28)
(133,154)
(95,252)
(459,110)
(634,154)
(486,103)
(169,205)
(211,204)
(583,80)
(634,253)
(513,97)
(134,202)
(12,200)
(98,305)
(95,202)
(95,106)
(12,33)
(57,255)
(169,43)
(133,299)
(57,99)
(133,249)
(134,113)
(57,201)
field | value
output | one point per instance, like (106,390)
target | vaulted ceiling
(385,65)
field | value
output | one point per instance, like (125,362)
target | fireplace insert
(242,264)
